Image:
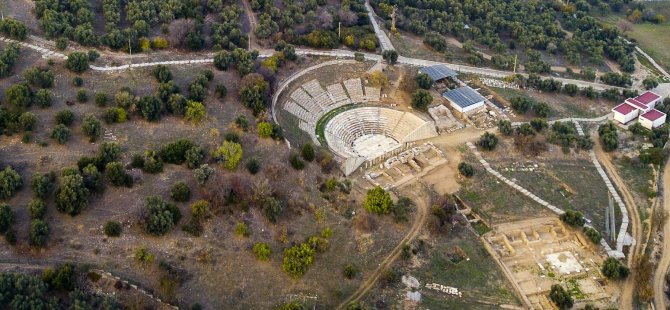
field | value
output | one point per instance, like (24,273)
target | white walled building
(464,99)
(641,106)
(652,119)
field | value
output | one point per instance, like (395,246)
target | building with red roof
(652,119)
(642,106)
(625,113)
(649,98)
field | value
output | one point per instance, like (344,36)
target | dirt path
(369,283)
(253,44)
(636,227)
(664,262)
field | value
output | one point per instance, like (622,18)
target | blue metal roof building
(464,99)
(438,72)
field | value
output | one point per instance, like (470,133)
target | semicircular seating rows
(311,101)
(345,128)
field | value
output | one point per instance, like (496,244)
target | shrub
(39,77)
(538,124)
(297,259)
(43,98)
(14,29)
(91,127)
(162,74)
(116,174)
(262,251)
(180,192)
(421,99)
(101,99)
(231,137)
(242,122)
(264,129)
(194,156)
(193,227)
(573,218)
(241,229)
(137,161)
(488,141)
(61,278)
(390,56)
(175,152)
(424,81)
(65,117)
(159,43)
(195,112)
(27,121)
(150,108)
(42,184)
(19,96)
(521,105)
(401,209)
(221,90)
(350,271)
(93,55)
(160,217)
(253,165)
(202,173)
(77,62)
(466,169)
(200,209)
(77,81)
(378,200)
(38,234)
(560,297)
(61,43)
(229,153)
(7,217)
(72,194)
(82,96)
(113,229)
(505,127)
(61,134)
(608,136)
(115,115)
(592,234)
(272,209)
(613,269)
(143,256)
(107,153)
(307,151)
(296,162)
(37,208)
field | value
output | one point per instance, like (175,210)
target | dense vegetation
(133,24)
(503,26)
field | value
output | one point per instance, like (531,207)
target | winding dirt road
(371,280)
(664,263)
(636,225)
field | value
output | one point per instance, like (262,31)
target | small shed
(652,119)
(464,99)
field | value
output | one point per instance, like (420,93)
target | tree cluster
(14,29)
(299,257)
(159,216)
(608,136)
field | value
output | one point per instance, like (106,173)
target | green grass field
(478,277)
(652,38)
(567,185)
